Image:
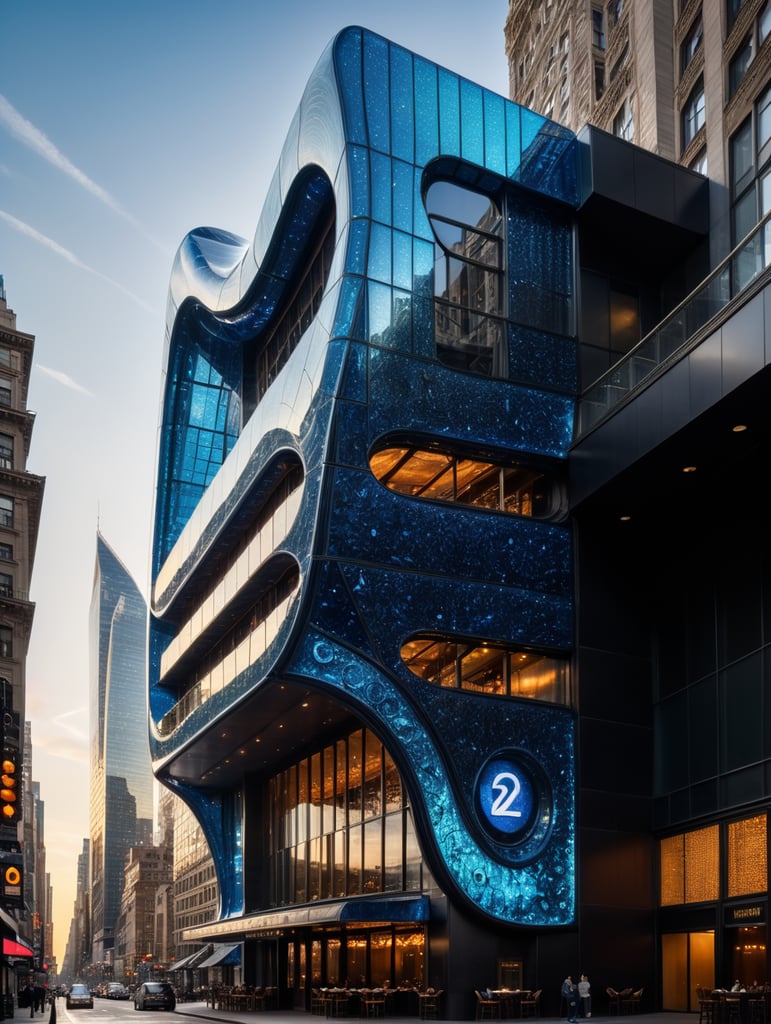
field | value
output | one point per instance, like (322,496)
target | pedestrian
(570,995)
(30,992)
(585,996)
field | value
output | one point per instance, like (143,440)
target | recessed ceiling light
(624,518)
(739,428)
(689,469)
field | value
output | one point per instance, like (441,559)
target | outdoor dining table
(511,1000)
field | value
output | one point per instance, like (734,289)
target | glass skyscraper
(121,805)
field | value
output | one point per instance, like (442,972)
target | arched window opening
(519,489)
(468,279)
(487,668)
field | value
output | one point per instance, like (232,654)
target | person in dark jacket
(570,995)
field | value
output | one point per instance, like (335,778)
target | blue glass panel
(346,312)
(423,267)
(422,227)
(359,170)
(472,124)
(449,113)
(381,187)
(423,342)
(402,195)
(355,376)
(349,57)
(426,112)
(379,264)
(379,312)
(376,96)
(401,318)
(513,141)
(356,255)
(495,133)
(402,260)
(402,123)
(531,124)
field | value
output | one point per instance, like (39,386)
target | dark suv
(155,995)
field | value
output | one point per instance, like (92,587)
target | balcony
(667,342)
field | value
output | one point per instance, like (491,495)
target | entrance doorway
(687,963)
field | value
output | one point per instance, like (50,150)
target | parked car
(155,995)
(79,995)
(115,990)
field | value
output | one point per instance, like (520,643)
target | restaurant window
(6,451)
(689,867)
(747,856)
(522,489)
(693,114)
(468,279)
(6,510)
(340,821)
(690,45)
(487,668)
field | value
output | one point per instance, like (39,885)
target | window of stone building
(598,28)
(690,44)
(623,123)
(739,64)
(693,114)
(6,451)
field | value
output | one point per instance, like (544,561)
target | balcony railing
(739,269)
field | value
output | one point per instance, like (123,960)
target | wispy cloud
(63,378)
(70,257)
(36,140)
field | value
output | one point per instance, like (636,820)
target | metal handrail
(743,265)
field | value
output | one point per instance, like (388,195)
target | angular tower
(121,780)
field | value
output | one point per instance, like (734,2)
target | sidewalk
(204,1012)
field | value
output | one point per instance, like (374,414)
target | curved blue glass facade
(356,570)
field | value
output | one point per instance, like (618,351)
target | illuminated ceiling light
(739,428)
(689,469)
(257,739)
(305,704)
(625,518)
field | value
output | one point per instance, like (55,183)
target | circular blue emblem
(507,797)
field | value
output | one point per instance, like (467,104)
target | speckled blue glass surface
(375,126)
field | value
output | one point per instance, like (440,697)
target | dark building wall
(616,882)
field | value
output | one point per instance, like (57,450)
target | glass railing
(740,268)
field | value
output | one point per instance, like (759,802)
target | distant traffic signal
(10,803)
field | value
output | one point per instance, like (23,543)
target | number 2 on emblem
(507,786)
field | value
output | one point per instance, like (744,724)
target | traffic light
(10,795)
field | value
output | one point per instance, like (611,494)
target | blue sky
(122,127)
